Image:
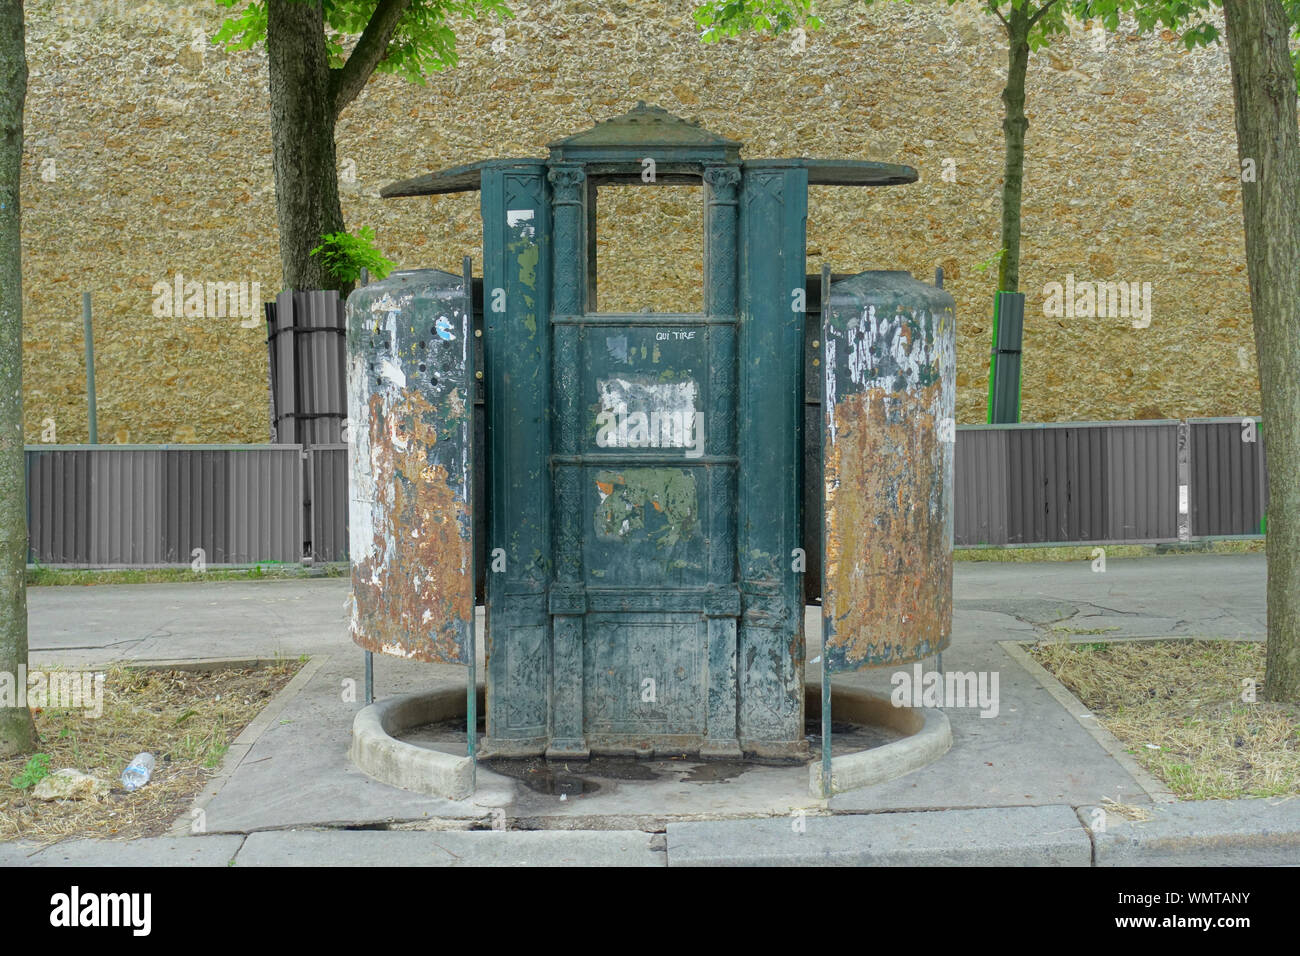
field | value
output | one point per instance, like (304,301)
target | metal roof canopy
(613,151)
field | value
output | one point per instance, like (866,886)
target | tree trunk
(302,140)
(1014,125)
(1264,91)
(17,733)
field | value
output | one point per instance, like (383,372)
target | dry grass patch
(1085,552)
(1177,707)
(187,720)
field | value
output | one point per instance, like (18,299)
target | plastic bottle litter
(138,771)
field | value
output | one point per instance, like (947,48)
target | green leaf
(244,30)
(344,255)
(36,770)
(424,41)
(727,18)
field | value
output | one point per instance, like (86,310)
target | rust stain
(888,564)
(413,590)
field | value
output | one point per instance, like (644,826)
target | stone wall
(148,156)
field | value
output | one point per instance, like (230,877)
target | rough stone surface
(1263,832)
(68,784)
(148,155)
(1003,836)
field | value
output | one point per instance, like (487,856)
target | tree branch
(992,5)
(347,81)
(1043,9)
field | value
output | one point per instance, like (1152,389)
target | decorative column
(770,643)
(723,604)
(568,598)
(517,366)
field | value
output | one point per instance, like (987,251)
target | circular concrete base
(397,763)
(927,737)
(376,751)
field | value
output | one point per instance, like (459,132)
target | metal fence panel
(264,498)
(195,507)
(1142,478)
(58,503)
(980,492)
(305,337)
(1229,481)
(142,506)
(1103,483)
(329,502)
(1074,482)
(126,507)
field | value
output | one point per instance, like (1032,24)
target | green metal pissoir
(644,576)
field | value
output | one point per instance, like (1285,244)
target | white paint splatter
(391,371)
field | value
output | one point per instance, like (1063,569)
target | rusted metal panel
(888,467)
(410,438)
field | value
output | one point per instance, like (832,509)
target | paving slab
(450,848)
(149,851)
(1002,836)
(1178,594)
(1260,832)
(297,773)
(1033,752)
(111,622)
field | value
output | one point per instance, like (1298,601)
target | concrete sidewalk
(1227,832)
(294,773)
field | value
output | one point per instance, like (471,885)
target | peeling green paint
(632,500)
(528,266)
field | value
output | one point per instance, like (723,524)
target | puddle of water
(847,738)
(542,777)
(716,771)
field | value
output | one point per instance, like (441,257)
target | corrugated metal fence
(150,505)
(306,336)
(1081,483)
(1109,482)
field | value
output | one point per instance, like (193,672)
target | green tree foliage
(422,41)
(344,255)
(1029,25)
(320,55)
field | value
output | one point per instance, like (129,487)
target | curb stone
(242,744)
(450,848)
(1000,836)
(1152,787)
(1255,832)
